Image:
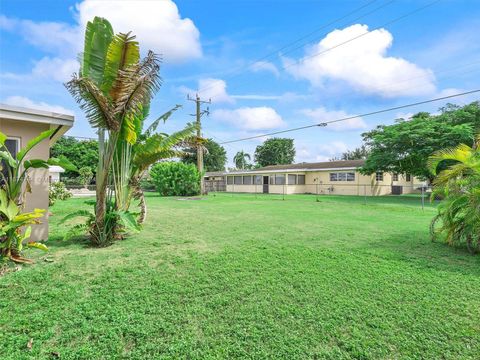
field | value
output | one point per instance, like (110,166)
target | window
(301,179)
(333,177)
(379,176)
(258,179)
(292,179)
(342,176)
(395,177)
(229,180)
(247,180)
(279,179)
(408,177)
(13,146)
(238,180)
(350,176)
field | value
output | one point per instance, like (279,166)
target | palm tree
(240,159)
(458,218)
(112,88)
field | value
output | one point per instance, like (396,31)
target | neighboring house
(333,177)
(214,181)
(21,125)
(54,172)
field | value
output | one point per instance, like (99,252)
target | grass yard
(239,277)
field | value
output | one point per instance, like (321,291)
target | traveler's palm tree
(458,216)
(152,147)
(240,159)
(112,88)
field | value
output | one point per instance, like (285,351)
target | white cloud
(250,118)
(320,152)
(362,64)
(265,66)
(28,103)
(156,23)
(56,68)
(321,114)
(210,88)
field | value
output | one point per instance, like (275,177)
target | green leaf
(3,138)
(75,214)
(128,220)
(37,245)
(32,143)
(35,164)
(63,162)
(5,155)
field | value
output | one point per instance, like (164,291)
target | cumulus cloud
(156,23)
(250,118)
(28,103)
(265,66)
(362,64)
(320,114)
(210,88)
(320,152)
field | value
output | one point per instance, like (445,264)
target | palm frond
(98,108)
(162,118)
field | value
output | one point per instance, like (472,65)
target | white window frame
(379,176)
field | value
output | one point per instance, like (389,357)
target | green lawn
(239,277)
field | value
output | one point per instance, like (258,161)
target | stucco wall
(25,131)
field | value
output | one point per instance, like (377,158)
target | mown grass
(239,277)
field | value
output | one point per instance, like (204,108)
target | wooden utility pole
(198,118)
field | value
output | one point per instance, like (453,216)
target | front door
(265,184)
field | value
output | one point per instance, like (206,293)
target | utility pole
(198,119)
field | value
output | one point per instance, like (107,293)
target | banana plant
(15,229)
(15,180)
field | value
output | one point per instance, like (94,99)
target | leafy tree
(81,153)
(240,160)
(405,147)
(275,151)
(176,179)
(360,153)
(85,175)
(214,158)
(458,219)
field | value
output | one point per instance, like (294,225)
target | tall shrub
(176,179)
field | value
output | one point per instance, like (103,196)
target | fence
(415,193)
(215,185)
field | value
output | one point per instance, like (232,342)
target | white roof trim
(287,171)
(9,112)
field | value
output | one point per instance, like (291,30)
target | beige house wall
(39,178)
(319,182)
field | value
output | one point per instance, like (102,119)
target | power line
(323,124)
(235,72)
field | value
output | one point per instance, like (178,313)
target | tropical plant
(176,179)
(240,160)
(57,191)
(150,148)
(15,225)
(15,229)
(458,218)
(113,88)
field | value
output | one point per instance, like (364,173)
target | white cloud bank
(250,118)
(210,88)
(28,103)
(265,66)
(362,64)
(320,114)
(156,23)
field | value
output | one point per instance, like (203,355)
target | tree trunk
(143,207)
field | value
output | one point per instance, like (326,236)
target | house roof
(214,173)
(327,165)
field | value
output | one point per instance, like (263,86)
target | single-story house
(21,125)
(332,177)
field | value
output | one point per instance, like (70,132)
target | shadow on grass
(58,241)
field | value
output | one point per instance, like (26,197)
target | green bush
(57,191)
(176,179)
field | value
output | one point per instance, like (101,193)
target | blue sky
(219,48)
